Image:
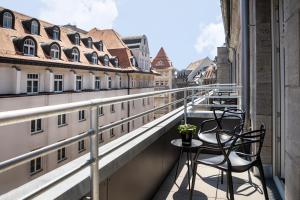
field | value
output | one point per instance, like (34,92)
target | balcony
(138,165)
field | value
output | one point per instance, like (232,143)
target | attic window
(106,60)
(29,47)
(77,39)
(100,46)
(7,20)
(94,58)
(160,63)
(34,27)
(55,51)
(89,43)
(116,62)
(75,55)
(55,34)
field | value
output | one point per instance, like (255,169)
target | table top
(178,143)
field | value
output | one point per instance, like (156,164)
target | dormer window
(7,20)
(90,43)
(133,61)
(75,55)
(116,62)
(106,60)
(29,47)
(94,58)
(34,27)
(100,46)
(54,51)
(77,39)
(55,34)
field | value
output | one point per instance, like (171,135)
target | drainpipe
(233,65)
(128,102)
(245,58)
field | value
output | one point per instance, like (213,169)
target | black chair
(208,129)
(232,160)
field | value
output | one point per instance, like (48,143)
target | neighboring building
(140,49)
(225,73)
(264,39)
(163,65)
(43,64)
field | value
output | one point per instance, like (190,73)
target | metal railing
(18,116)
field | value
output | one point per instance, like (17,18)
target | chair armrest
(205,123)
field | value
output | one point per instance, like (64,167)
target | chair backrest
(252,138)
(230,113)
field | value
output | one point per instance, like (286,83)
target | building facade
(263,40)
(225,73)
(140,49)
(44,64)
(163,65)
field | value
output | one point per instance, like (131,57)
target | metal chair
(232,160)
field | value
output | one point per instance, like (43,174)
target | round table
(188,150)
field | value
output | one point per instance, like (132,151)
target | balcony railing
(200,97)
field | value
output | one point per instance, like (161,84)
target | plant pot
(187,139)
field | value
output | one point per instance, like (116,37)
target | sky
(188,30)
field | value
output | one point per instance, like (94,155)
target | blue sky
(188,30)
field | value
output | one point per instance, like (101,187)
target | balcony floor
(208,186)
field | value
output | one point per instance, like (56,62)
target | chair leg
(230,185)
(193,180)
(262,178)
(178,164)
(222,176)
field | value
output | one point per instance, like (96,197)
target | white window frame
(55,34)
(29,47)
(112,132)
(100,46)
(61,154)
(36,126)
(94,59)
(34,27)
(7,20)
(106,61)
(81,115)
(36,165)
(77,39)
(112,108)
(32,83)
(97,83)
(61,120)
(75,55)
(79,83)
(54,52)
(109,82)
(100,111)
(81,146)
(58,83)
(90,43)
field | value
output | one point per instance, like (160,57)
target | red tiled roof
(161,60)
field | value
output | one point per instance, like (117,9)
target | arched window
(7,20)
(77,39)
(90,43)
(55,34)
(54,51)
(34,27)
(106,61)
(95,58)
(29,47)
(75,55)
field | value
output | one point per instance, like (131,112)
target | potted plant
(186,132)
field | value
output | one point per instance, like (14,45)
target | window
(157,83)
(29,47)
(7,20)
(122,106)
(77,39)
(133,104)
(75,55)
(100,46)
(148,101)
(133,124)
(36,126)
(148,118)
(78,83)
(81,115)
(144,102)
(34,27)
(100,137)
(94,59)
(97,83)
(112,108)
(61,154)
(106,61)
(120,82)
(81,146)
(109,83)
(62,120)
(100,111)
(90,43)
(122,128)
(55,34)
(54,52)
(58,83)
(116,62)
(143,119)
(112,134)
(32,83)
(36,165)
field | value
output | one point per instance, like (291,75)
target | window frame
(81,146)
(34,27)
(58,81)
(37,165)
(32,83)
(55,52)
(55,33)
(81,115)
(94,58)
(97,83)
(77,39)
(61,154)
(112,108)
(100,111)
(6,19)
(109,82)
(79,83)
(106,61)
(30,45)
(75,55)
(61,120)
(36,126)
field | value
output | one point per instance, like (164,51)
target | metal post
(94,185)
(193,94)
(185,106)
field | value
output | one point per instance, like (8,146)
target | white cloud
(85,14)
(210,37)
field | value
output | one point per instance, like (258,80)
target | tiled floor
(209,187)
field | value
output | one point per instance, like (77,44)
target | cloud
(210,37)
(85,14)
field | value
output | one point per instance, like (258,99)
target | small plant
(186,128)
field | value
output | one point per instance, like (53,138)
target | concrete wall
(224,72)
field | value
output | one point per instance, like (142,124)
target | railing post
(94,185)
(193,98)
(185,106)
